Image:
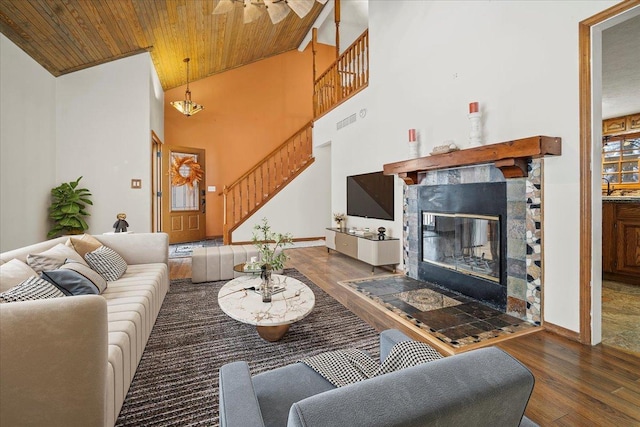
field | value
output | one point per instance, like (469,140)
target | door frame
(156,183)
(586,147)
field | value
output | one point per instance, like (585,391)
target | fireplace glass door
(469,244)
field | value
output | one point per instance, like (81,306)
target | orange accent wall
(247,112)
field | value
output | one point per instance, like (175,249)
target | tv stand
(365,248)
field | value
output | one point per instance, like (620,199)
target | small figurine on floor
(121,225)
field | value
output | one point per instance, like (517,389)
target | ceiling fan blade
(300,7)
(251,11)
(277,10)
(322,1)
(223,6)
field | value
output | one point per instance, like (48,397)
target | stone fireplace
(474,232)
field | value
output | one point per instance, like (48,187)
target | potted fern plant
(67,210)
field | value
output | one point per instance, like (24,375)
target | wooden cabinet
(627,227)
(614,126)
(633,122)
(608,237)
(621,154)
(367,249)
(621,241)
(624,124)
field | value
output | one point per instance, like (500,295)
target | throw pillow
(87,272)
(52,258)
(34,288)
(107,263)
(84,244)
(13,273)
(70,282)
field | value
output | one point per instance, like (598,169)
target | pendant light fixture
(187,107)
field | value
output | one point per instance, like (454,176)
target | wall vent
(346,122)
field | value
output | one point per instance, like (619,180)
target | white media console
(366,248)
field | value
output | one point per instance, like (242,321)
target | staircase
(346,77)
(263,181)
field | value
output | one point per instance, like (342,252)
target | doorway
(590,56)
(621,225)
(156,183)
(183,201)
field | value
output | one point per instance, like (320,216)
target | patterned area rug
(184,250)
(176,383)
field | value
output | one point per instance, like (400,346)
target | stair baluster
(264,180)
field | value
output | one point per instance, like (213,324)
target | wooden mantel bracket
(409,178)
(512,168)
(510,157)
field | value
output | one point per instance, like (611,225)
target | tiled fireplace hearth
(521,260)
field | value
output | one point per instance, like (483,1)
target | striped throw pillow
(34,288)
(107,263)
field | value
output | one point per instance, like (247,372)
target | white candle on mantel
(413,145)
(475,119)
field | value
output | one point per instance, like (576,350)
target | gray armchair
(485,387)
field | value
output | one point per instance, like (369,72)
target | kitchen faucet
(609,189)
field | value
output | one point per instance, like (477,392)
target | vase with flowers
(341,219)
(270,246)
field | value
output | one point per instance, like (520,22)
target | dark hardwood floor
(576,385)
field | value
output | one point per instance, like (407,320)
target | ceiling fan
(277,9)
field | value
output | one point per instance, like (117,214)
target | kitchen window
(621,162)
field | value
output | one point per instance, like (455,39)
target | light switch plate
(211,189)
(136,183)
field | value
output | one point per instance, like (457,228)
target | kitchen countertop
(621,199)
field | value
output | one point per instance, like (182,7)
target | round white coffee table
(272,319)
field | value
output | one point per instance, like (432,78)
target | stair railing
(344,78)
(264,180)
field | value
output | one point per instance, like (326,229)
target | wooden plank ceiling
(69,35)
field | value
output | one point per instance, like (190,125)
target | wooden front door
(183,198)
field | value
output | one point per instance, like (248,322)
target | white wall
(27,147)
(104,120)
(428,60)
(356,150)
(302,208)
(354,20)
(156,102)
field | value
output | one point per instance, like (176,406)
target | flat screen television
(370,195)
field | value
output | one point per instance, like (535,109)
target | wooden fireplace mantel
(510,157)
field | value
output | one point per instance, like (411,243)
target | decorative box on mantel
(510,157)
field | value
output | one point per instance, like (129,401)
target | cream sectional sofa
(70,361)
